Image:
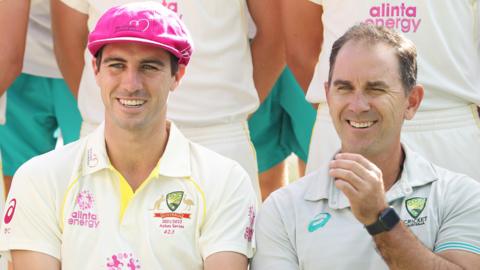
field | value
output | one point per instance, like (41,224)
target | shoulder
(213,168)
(54,166)
(287,200)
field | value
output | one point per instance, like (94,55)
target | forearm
(303,32)
(268,62)
(268,50)
(70,31)
(8,72)
(13,47)
(402,250)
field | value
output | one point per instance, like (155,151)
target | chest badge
(415,206)
(174,199)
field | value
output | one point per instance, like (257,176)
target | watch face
(389,218)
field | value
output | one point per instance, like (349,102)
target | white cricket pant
(231,140)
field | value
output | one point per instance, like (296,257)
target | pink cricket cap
(146,23)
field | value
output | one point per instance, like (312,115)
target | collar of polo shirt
(422,174)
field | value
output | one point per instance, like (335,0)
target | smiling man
(135,194)
(378,204)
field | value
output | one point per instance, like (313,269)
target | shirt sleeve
(230,217)
(274,248)
(459,217)
(319,2)
(30,221)
(79,5)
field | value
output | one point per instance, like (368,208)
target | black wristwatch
(387,219)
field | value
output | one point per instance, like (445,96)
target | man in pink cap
(135,193)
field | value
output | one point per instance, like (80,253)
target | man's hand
(361,181)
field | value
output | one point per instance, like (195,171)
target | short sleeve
(30,220)
(274,249)
(460,216)
(79,5)
(230,217)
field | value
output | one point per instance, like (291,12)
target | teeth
(361,124)
(131,102)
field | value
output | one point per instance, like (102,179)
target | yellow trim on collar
(126,191)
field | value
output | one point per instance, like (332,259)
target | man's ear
(94,65)
(414,99)
(326,87)
(178,76)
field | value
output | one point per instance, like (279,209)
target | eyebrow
(113,59)
(374,84)
(153,61)
(342,82)
(145,61)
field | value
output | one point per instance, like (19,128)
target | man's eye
(378,90)
(343,88)
(149,67)
(117,65)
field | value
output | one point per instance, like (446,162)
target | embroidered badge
(172,209)
(415,206)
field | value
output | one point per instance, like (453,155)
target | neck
(135,153)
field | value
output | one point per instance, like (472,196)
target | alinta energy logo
(85,216)
(400,17)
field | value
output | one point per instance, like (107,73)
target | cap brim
(94,46)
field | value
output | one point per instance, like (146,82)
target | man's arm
(402,250)
(268,51)
(303,32)
(70,32)
(361,181)
(13,39)
(226,261)
(31,260)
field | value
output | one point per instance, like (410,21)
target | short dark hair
(173,60)
(405,49)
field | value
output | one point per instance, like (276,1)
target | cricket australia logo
(173,209)
(174,199)
(415,207)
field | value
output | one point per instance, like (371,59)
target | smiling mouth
(361,125)
(131,103)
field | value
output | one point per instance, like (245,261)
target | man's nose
(132,80)
(359,102)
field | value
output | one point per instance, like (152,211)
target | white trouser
(449,138)
(231,140)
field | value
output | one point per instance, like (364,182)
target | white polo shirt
(309,224)
(218,87)
(446,34)
(73,205)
